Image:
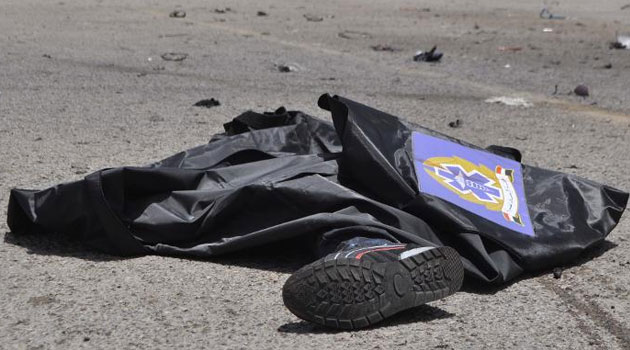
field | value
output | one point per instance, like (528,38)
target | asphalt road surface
(83,86)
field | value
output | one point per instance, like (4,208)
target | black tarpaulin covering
(274,176)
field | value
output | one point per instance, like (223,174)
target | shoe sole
(351,293)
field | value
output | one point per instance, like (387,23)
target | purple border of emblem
(426,146)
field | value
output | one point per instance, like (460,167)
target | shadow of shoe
(422,313)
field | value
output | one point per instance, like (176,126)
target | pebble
(557,273)
(581,90)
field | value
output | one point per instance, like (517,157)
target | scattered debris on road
(510,101)
(546,14)
(581,90)
(547,30)
(174,56)
(261,14)
(606,66)
(177,14)
(557,273)
(223,10)
(352,34)
(428,56)
(386,48)
(46,56)
(455,124)
(626,6)
(510,48)
(286,68)
(313,18)
(617,45)
(622,42)
(208,103)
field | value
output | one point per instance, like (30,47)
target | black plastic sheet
(276,176)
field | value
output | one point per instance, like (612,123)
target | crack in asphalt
(601,318)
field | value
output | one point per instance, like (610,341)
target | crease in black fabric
(278,176)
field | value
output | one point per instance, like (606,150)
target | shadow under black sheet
(57,244)
(284,257)
(478,287)
(422,313)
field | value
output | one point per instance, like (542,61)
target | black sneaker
(361,287)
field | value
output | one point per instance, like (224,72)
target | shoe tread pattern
(351,294)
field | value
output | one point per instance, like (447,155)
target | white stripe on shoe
(415,251)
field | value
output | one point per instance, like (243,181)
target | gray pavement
(83,87)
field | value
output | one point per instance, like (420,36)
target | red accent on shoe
(378,250)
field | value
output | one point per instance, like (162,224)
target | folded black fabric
(275,176)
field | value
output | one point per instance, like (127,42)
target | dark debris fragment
(177,14)
(286,68)
(455,124)
(581,90)
(174,56)
(313,18)
(617,45)
(546,14)
(261,14)
(385,48)
(557,273)
(621,42)
(428,56)
(208,103)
